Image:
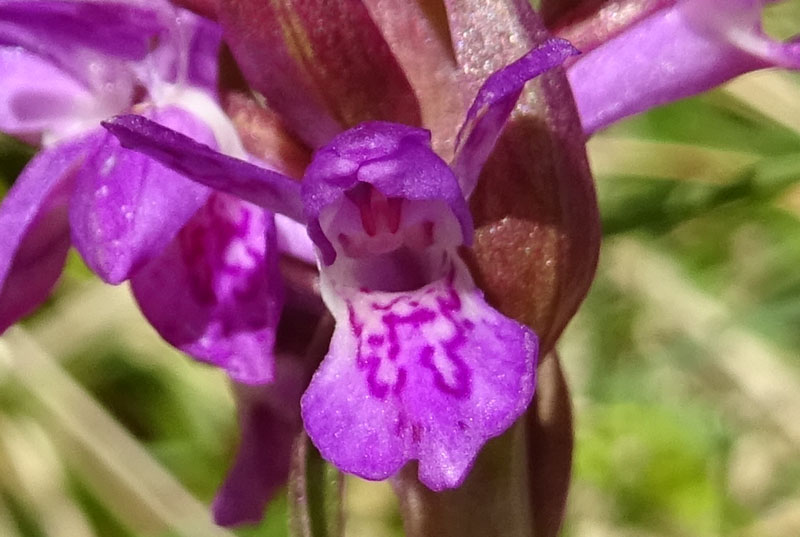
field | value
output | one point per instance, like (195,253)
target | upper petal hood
(395,159)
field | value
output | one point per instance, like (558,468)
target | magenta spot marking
(377,388)
(416,432)
(400,424)
(358,327)
(389,305)
(449,306)
(462,376)
(401,381)
(203,243)
(392,321)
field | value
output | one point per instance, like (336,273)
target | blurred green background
(684,361)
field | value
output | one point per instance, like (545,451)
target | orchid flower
(129,218)
(420,366)
(672,49)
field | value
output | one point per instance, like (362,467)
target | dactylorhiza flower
(419,367)
(534,211)
(641,54)
(65,67)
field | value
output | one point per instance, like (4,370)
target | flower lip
(378,167)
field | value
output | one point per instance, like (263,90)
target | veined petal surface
(123,29)
(36,96)
(427,375)
(682,50)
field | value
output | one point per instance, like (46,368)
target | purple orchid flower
(420,366)
(672,49)
(196,259)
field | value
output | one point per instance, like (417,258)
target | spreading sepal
(496,99)
(271,190)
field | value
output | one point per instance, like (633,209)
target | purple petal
(187,53)
(677,52)
(127,208)
(395,159)
(35,236)
(429,374)
(269,420)
(121,29)
(493,104)
(265,188)
(35,95)
(293,240)
(203,54)
(216,293)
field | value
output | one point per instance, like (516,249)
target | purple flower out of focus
(130,218)
(674,49)
(419,366)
